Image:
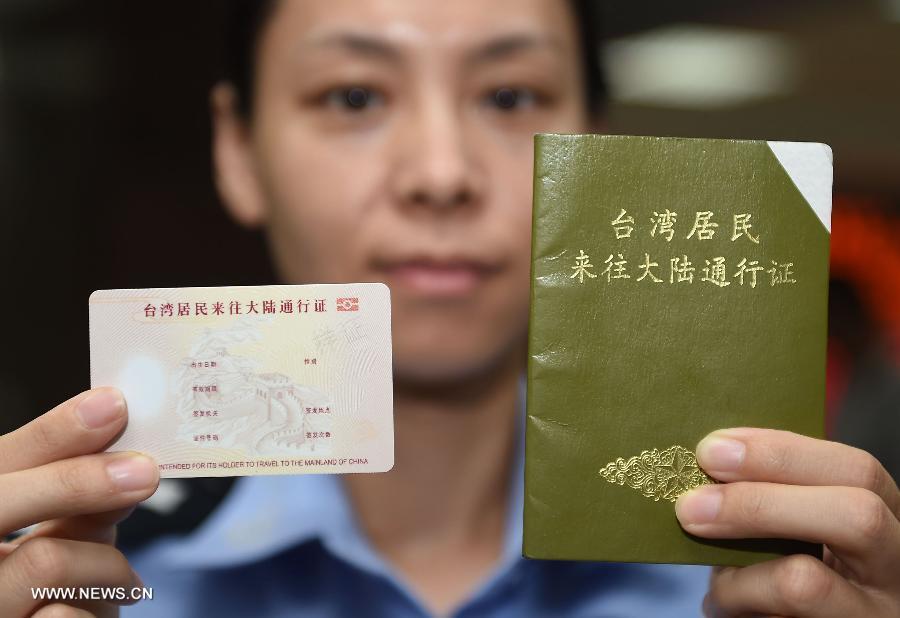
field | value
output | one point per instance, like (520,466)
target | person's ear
(233,163)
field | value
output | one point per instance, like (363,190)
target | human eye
(352,99)
(510,99)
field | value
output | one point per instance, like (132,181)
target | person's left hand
(779,484)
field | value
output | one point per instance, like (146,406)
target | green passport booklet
(678,286)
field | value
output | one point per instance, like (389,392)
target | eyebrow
(495,49)
(510,45)
(362,44)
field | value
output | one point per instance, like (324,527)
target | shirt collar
(266,515)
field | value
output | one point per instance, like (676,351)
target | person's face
(391,140)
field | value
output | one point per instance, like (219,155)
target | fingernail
(699,506)
(137,579)
(132,472)
(718,454)
(101,408)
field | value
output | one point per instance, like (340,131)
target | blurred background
(105,174)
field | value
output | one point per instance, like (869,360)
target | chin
(456,362)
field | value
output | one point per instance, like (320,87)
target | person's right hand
(53,473)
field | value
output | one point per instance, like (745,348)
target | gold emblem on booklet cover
(658,474)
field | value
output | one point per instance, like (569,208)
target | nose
(436,169)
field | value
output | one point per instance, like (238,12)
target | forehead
(443,26)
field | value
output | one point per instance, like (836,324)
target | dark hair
(247,17)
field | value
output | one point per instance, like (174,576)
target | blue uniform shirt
(281,546)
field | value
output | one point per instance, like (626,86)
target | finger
(79,610)
(748,454)
(854,523)
(84,424)
(95,609)
(97,528)
(796,586)
(58,610)
(58,563)
(83,485)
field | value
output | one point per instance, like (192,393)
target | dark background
(105,176)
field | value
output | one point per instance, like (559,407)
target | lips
(430,276)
